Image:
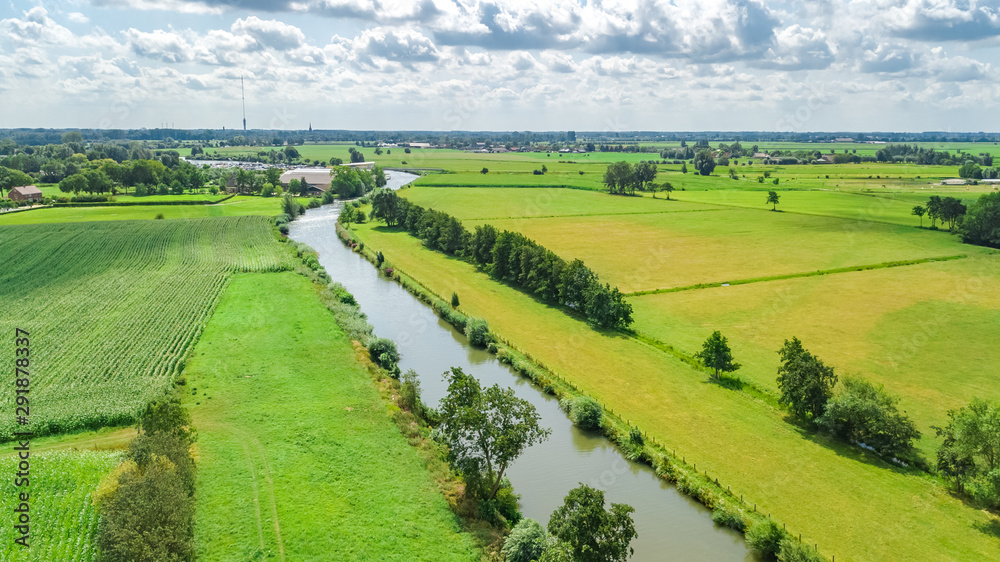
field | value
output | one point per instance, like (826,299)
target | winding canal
(671,526)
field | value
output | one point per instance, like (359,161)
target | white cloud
(270,33)
(77,17)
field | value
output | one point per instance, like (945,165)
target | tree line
(978,223)
(510,257)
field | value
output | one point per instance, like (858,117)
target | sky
(502,65)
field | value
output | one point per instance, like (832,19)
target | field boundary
(818,272)
(140,203)
(596,214)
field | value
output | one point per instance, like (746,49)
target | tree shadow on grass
(991,527)
(849,450)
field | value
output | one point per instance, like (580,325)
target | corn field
(113,307)
(63,518)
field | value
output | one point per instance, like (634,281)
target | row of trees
(948,210)
(510,257)
(146,505)
(970,451)
(624,178)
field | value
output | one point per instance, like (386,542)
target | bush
(794,551)
(383,352)
(766,537)
(342,294)
(478,331)
(526,542)
(283,228)
(865,413)
(586,412)
(728,517)
(409,393)
(454,300)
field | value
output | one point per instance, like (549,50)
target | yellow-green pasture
(928,332)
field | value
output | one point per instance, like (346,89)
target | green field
(744,442)
(237,206)
(63,518)
(297,456)
(113,307)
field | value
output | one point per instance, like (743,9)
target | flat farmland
(113,307)
(237,206)
(913,329)
(503,203)
(643,252)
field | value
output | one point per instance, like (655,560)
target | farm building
(954,182)
(25,193)
(319,178)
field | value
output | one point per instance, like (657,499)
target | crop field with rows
(63,517)
(113,307)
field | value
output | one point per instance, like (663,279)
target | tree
(684,168)
(981,224)
(667,187)
(485,430)
(11,178)
(715,354)
(74,184)
(618,177)
(385,206)
(919,211)
(772,198)
(272,175)
(934,209)
(971,446)
(704,162)
(806,384)
(484,171)
(595,534)
(348,215)
(952,211)
(645,174)
(970,170)
(865,413)
(526,542)
(378,173)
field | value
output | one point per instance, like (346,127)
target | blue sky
(897,65)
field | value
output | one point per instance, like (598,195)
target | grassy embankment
(778,465)
(297,455)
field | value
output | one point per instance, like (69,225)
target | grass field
(297,456)
(858,508)
(113,307)
(63,519)
(912,328)
(237,206)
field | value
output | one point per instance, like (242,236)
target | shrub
(383,351)
(794,551)
(409,393)
(283,228)
(865,413)
(478,331)
(342,294)
(159,216)
(766,537)
(586,412)
(454,300)
(725,516)
(526,542)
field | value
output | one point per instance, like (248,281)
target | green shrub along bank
(510,257)
(633,443)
